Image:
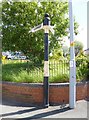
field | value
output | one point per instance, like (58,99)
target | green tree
(78,47)
(57,54)
(65,50)
(18,19)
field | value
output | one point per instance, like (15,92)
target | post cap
(46,15)
(46,20)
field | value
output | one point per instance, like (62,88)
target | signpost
(72,87)
(46,26)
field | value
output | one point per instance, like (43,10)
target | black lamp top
(46,20)
(46,15)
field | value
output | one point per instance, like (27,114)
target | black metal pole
(46,82)
(46,61)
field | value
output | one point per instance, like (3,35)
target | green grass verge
(30,73)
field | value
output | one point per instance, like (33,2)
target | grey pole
(46,23)
(72,86)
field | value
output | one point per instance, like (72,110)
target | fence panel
(55,68)
(58,68)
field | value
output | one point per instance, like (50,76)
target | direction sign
(41,26)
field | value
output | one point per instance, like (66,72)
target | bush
(82,68)
(59,78)
(33,73)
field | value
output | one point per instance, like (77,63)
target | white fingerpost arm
(39,27)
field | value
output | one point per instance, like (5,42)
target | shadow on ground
(36,116)
(46,114)
(43,112)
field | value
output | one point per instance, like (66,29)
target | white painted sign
(46,68)
(45,27)
(71,63)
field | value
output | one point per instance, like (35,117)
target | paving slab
(9,110)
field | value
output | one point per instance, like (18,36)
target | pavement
(36,112)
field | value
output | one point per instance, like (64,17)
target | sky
(80,13)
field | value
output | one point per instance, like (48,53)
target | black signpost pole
(46,23)
(46,26)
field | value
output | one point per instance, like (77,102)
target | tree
(65,50)
(57,54)
(19,17)
(78,47)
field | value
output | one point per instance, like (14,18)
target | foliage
(59,71)
(30,72)
(17,72)
(78,47)
(65,51)
(18,19)
(0,71)
(57,54)
(82,64)
(61,78)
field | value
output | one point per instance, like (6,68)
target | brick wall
(59,93)
(26,93)
(33,93)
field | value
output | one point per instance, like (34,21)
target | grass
(18,71)
(59,78)
(0,71)
(24,77)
